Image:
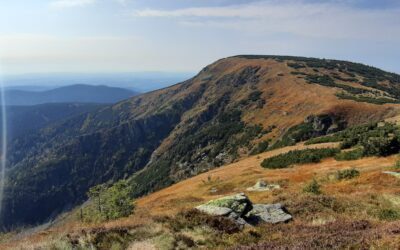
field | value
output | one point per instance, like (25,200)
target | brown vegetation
(345,213)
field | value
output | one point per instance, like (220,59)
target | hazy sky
(185,35)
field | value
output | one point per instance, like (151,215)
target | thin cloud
(61,4)
(329,20)
(252,10)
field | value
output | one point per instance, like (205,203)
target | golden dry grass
(236,177)
(288,100)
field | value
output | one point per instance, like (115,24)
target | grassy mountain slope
(270,99)
(218,117)
(348,213)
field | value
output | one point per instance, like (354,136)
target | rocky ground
(242,211)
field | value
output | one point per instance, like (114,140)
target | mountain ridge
(80,93)
(217,117)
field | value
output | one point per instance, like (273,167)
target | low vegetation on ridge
(366,140)
(298,157)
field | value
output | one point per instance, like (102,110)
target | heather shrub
(389,214)
(350,155)
(347,174)
(313,187)
(194,218)
(397,165)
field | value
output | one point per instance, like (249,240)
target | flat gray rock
(233,207)
(270,213)
(214,210)
(261,186)
(239,209)
(238,203)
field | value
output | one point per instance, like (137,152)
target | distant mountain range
(79,93)
(24,119)
(136,81)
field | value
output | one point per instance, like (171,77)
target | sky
(47,36)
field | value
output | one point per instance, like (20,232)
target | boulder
(238,203)
(239,220)
(214,210)
(233,207)
(261,186)
(240,209)
(270,213)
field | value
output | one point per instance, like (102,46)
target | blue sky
(185,35)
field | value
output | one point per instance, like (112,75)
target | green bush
(298,157)
(108,203)
(347,174)
(382,140)
(345,79)
(349,142)
(350,155)
(297,133)
(376,140)
(380,146)
(374,100)
(388,214)
(323,139)
(261,147)
(296,65)
(323,80)
(397,165)
(313,187)
(298,73)
(352,93)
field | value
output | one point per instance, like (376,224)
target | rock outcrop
(240,209)
(234,207)
(324,124)
(238,203)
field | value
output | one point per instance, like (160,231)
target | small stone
(270,213)
(213,190)
(261,185)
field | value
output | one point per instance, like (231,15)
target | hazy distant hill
(78,93)
(25,119)
(136,81)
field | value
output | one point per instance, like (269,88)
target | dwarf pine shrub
(313,187)
(298,157)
